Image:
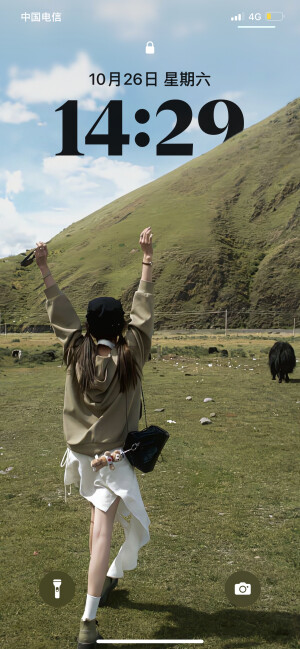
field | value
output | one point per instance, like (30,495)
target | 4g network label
(115,139)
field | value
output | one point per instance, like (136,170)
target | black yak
(282,361)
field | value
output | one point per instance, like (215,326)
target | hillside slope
(226,232)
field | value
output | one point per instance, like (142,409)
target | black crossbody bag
(143,447)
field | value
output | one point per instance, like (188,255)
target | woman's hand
(41,254)
(146,243)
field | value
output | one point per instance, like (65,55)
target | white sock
(91,607)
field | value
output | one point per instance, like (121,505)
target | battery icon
(274,15)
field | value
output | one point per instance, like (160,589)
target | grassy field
(224,499)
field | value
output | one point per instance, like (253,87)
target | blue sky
(44,64)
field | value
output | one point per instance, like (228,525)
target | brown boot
(88,634)
(109,584)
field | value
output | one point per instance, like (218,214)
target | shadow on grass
(233,625)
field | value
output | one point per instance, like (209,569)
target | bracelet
(147,263)
(44,276)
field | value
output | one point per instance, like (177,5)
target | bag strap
(144,405)
(134,446)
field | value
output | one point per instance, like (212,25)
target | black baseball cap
(105,317)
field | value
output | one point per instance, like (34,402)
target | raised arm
(63,318)
(41,255)
(147,248)
(140,328)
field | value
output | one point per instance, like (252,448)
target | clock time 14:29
(115,139)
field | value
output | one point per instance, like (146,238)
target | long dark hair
(82,352)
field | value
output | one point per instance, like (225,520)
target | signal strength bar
(238,17)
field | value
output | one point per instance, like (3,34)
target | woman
(102,403)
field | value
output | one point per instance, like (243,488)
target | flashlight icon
(57,585)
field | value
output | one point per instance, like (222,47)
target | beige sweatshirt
(95,421)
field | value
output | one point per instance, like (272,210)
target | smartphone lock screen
(149,323)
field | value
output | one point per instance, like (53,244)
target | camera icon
(242,588)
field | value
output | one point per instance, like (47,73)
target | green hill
(226,232)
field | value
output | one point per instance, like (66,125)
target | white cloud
(59,84)
(69,189)
(14,182)
(15,235)
(61,166)
(15,113)
(194,125)
(7,209)
(88,175)
(20,232)
(88,104)
(42,123)
(137,19)
(131,18)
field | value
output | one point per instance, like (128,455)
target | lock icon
(149,47)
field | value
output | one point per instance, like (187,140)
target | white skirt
(101,489)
